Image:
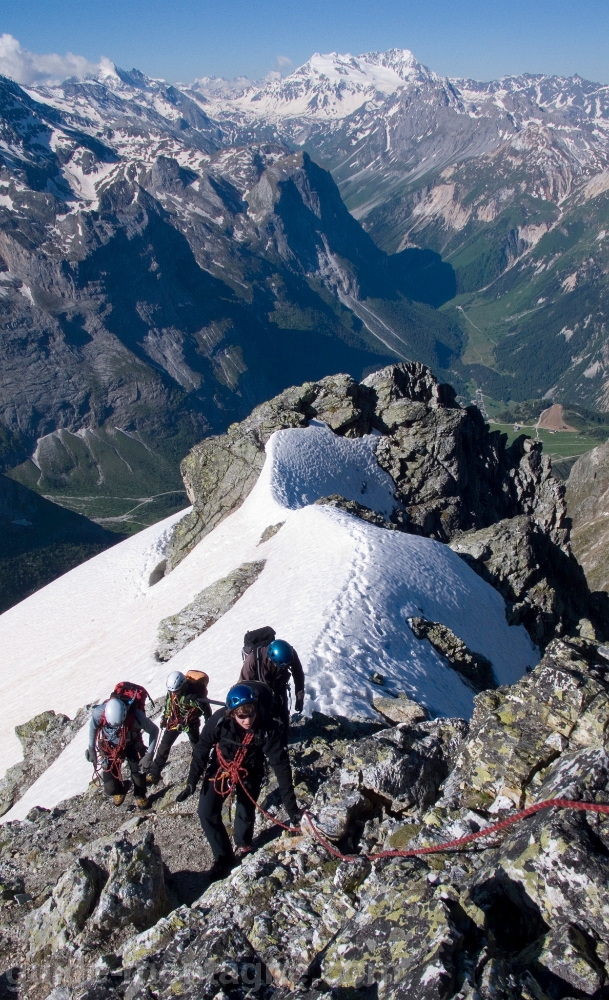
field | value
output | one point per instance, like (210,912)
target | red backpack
(134,696)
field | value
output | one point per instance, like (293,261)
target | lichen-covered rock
(208,606)
(76,893)
(43,738)
(474,667)
(400,709)
(402,940)
(518,731)
(135,890)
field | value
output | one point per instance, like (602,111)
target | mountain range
(172,255)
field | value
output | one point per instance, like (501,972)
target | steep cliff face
(587,499)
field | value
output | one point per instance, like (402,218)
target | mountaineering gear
(280,652)
(143,802)
(119,799)
(241,694)
(185,794)
(175,681)
(91,756)
(111,744)
(134,695)
(254,640)
(242,852)
(115,712)
(298,704)
(259,666)
(181,714)
(224,745)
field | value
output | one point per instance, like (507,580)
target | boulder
(400,709)
(135,891)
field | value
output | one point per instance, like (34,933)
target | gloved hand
(163,723)
(299,703)
(147,759)
(91,756)
(185,794)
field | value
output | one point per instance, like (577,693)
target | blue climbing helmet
(241,694)
(280,652)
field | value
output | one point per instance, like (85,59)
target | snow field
(337,587)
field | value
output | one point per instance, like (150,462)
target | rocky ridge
(455,480)
(522,915)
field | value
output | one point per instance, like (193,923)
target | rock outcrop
(455,481)
(450,472)
(208,606)
(587,499)
(543,585)
(522,914)
(43,738)
(474,667)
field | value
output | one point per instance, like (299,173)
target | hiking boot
(118,799)
(221,868)
(242,852)
(143,802)
(152,779)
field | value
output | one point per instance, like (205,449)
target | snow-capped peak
(332,85)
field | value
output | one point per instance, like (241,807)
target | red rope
(447,845)
(450,845)
(113,753)
(232,772)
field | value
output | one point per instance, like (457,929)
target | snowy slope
(339,588)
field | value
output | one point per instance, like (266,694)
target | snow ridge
(340,589)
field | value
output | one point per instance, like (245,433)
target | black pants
(210,815)
(115,786)
(167,740)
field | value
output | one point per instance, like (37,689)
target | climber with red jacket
(115,736)
(273,662)
(239,736)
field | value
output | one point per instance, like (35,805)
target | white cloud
(284,62)
(26,67)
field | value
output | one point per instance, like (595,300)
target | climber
(243,733)
(115,735)
(272,663)
(185,703)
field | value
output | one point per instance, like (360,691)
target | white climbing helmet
(175,681)
(115,712)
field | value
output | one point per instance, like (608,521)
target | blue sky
(184,39)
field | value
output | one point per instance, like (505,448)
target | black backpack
(254,641)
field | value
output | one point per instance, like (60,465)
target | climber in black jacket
(244,731)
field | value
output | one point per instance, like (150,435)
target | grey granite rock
(208,606)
